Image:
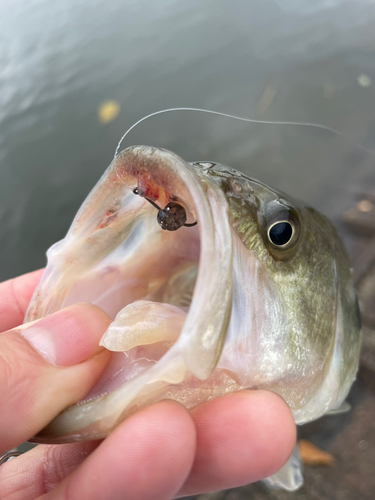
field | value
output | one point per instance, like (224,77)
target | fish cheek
(298,329)
(303,280)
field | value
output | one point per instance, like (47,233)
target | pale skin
(159,453)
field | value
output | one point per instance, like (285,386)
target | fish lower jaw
(96,416)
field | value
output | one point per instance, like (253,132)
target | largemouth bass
(215,283)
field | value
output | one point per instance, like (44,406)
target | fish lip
(201,340)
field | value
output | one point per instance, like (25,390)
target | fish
(215,283)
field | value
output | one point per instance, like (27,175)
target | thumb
(46,366)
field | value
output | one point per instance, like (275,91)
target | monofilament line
(239,118)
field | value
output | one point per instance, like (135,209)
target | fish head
(295,324)
(257,294)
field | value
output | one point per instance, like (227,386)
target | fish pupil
(172,217)
(280,233)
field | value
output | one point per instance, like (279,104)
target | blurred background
(75,75)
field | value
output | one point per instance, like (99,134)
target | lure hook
(172,216)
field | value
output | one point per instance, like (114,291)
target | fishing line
(239,118)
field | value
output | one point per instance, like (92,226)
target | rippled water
(275,60)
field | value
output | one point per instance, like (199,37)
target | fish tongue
(142,323)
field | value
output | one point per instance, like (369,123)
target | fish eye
(282,229)
(280,233)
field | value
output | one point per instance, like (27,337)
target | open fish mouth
(166,337)
(248,288)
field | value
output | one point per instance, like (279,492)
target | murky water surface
(267,59)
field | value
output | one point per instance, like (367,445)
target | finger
(15,296)
(41,469)
(147,457)
(34,473)
(47,367)
(241,438)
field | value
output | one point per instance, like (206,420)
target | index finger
(15,295)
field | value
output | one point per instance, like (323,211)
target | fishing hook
(172,216)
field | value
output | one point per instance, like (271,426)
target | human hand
(161,452)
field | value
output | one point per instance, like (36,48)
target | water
(276,60)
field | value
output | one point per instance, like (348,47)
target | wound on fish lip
(149,189)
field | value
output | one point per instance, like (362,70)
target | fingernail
(69,336)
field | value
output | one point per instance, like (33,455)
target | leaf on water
(108,111)
(312,455)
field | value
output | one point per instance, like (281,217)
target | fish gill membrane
(257,295)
